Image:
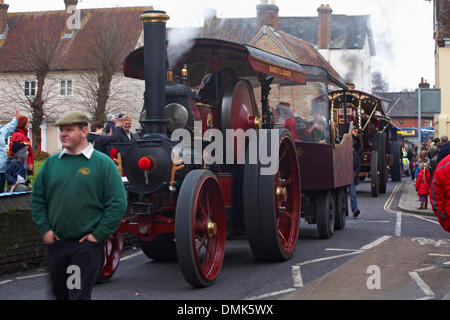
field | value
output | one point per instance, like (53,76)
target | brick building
(402,107)
(345,42)
(265,33)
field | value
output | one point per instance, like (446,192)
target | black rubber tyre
(263,219)
(380,146)
(341,208)
(237,221)
(325,213)
(374,174)
(397,165)
(161,248)
(200,269)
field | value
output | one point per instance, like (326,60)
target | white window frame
(427,123)
(30,88)
(64,88)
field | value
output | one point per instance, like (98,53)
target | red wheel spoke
(201,244)
(286,182)
(208,207)
(203,210)
(283,239)
(209,253)
(286,213)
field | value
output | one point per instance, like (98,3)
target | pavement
(400,268)
(409,200)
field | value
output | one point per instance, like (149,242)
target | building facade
(345,42)
(442,63)
(71,79)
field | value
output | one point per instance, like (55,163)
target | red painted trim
(276,70)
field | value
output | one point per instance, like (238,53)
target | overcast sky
(403,29)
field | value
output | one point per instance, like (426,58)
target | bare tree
(379,82)
(33,53)
(108,41)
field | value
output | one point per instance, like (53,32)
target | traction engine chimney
(155,71)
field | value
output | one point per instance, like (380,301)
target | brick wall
(21,246)
(412,122)
(442,12)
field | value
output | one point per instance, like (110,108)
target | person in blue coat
(5,132)
(16,174)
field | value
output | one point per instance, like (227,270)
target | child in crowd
(423,183)
(16,174)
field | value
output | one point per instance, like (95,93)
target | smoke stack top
(155,70)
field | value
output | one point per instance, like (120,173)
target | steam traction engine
(179,210)
(378,143)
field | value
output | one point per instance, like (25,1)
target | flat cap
(72,117)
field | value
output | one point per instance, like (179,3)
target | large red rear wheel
(272,203)
(200,228)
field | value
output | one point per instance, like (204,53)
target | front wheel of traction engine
(272,203)
(112,252)
(162,248)
(200,228)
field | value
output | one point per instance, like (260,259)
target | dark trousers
(2,182)
(73,268)
(412,171)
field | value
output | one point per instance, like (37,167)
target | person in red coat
(440,193)
(285,117)
(423,182)
(21,135)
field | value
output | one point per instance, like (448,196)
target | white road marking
(32,276)
(398,224)
(131,256)
(425,288)
(379,221)
(391,199)
(271,294)
(424,269)
(329,258)
(337,249)
(375,243)
(422,218)
(5,282)
(297,277)
(426,298)
(439,254)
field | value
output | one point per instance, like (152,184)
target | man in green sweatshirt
(77,202)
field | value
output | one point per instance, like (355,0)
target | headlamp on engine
(177,115)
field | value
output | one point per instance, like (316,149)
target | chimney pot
(3,17)
(267,14)
(324,26)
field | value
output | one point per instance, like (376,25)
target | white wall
(354,65)
(126,97)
